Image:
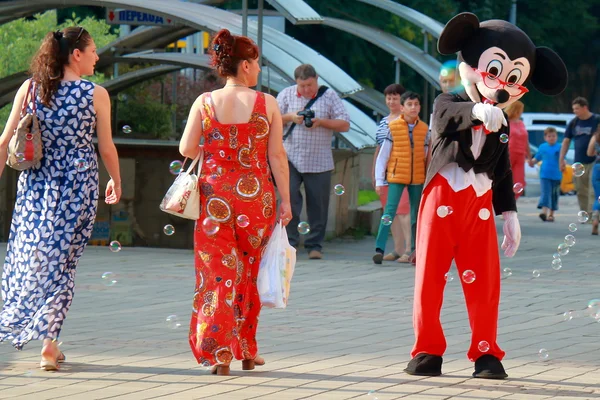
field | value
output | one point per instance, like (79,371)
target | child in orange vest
(403,160)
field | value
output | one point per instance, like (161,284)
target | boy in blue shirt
(550,175)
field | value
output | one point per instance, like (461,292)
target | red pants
(470,238)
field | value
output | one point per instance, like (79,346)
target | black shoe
(489,367)
(424,364)
(378,258)
(543,217)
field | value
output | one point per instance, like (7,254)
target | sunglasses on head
(81,29)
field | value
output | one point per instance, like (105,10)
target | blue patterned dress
(53,218)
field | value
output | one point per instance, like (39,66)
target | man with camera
(311,114)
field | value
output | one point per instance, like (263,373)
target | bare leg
(404,222)
(398,234)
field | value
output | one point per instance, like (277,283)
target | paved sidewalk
(347,330)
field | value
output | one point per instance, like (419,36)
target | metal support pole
(259,38)
(397,77)
(425,42)
(174,100)
(268,76)
(245,17)
(513,12)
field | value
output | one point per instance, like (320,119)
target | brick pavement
(347,330)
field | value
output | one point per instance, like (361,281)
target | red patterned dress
(238,195)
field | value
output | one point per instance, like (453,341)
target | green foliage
(366,197)
(146,118)
(21,38)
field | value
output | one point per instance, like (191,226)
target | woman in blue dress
(56,201)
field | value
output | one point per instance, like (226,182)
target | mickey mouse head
(497,60)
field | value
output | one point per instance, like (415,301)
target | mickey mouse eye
(494,69)
(514,76)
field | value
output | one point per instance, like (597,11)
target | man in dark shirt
(581,129)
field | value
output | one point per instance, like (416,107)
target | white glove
(491,116)
(512,233)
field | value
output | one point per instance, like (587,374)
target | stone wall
(138,221)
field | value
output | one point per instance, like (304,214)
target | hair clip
(58,35)
(217,47)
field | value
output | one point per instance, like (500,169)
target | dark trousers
(316,188)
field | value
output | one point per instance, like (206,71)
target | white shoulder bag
(183,197)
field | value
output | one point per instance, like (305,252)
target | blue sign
(129,17)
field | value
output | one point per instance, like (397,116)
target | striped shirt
(309,149)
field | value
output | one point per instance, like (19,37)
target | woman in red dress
(518,145)
(242,132)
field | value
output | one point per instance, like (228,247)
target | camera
(308,116)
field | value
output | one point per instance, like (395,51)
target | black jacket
(451,141)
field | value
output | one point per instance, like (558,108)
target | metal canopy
(114,86)
(372,99)
(147,37)
(426,23)
(417,59)
(212,19)
(297,12)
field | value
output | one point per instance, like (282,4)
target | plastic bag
(276,270)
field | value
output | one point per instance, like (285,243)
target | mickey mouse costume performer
(470,172)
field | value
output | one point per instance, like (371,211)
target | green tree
(21,38)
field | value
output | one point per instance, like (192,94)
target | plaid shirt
(309,149)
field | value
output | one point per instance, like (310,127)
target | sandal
(543,217)
(404,258)
(550,218)
(393,256)
(249,364)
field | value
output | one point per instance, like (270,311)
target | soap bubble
(444,211)
(568,315)
(81,165)
(556,264)
(169,229)
(126,129)
(518,188)
(583,216)
(536,273)
(483,346)
(175,167)
(449,276)
(578,169)
(507,272)
(339,189)
(468,276)
(210,226)
(114,246)
(386,219)
(504,138)
(108,279)
(242,221)
(303,228)
(210,163)
(570,240)
(543,354)
(563,249)
(173,322)
(20,157)
(572,227)
(484,214)
(555,256)
(372,396)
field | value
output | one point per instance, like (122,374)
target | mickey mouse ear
(550,76)
(457,32)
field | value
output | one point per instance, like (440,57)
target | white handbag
(183,197)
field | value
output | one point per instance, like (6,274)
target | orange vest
(407,164)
